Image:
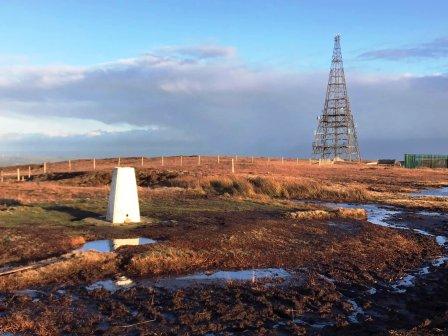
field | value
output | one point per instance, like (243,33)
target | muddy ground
(343,270)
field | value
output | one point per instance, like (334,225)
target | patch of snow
(372,291)
(423,232)
(406,281)
(429,213)
(424,270)
(441,240)
(439,261)
(357,310)
(111,285)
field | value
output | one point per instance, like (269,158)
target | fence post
(199,160)
(236,158)
(94,164)
(181,159)
(218,158)
(45,167)
(142,161)
(162,160)
(1,175)
(119,162)
(252,159)
(233,166)
(29,172)
(69,165)
(297,161)
(18,174)
(282,160)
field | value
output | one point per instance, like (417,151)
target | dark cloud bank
(209,102)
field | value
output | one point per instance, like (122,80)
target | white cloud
(212,102)
(17,126)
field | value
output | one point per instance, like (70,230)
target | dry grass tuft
(282,187)
(329,214)
(162,259)
(311,214)
(351,213)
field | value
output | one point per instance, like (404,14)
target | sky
(109,78)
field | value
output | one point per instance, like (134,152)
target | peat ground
(204,219)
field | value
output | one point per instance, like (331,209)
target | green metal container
(425,160)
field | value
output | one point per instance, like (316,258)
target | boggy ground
(205,219)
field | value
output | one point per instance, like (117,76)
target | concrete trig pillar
(123,198)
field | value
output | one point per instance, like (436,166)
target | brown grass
(344,213)
(282,187)
(163,259)
(88,265)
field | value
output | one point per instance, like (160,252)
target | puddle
(375,214)
(429,213)
(111,285)
(437,192)
(205,278)
(379,215)
(314,325)
(243,275)
(357,310)
(109,245)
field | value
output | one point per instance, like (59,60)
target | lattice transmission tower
(336,136)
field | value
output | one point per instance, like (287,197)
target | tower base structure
(123,204)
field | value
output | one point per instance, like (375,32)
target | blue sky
(280,33)
(52,50)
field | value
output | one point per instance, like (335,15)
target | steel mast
(336,136)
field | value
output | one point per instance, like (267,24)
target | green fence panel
(425,160)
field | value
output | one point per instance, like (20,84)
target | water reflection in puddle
(242,275)
(109,245)
(437,192)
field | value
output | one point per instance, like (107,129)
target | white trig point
(123,198)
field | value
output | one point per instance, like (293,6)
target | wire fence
(218,163)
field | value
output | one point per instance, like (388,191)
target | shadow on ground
(77,214)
